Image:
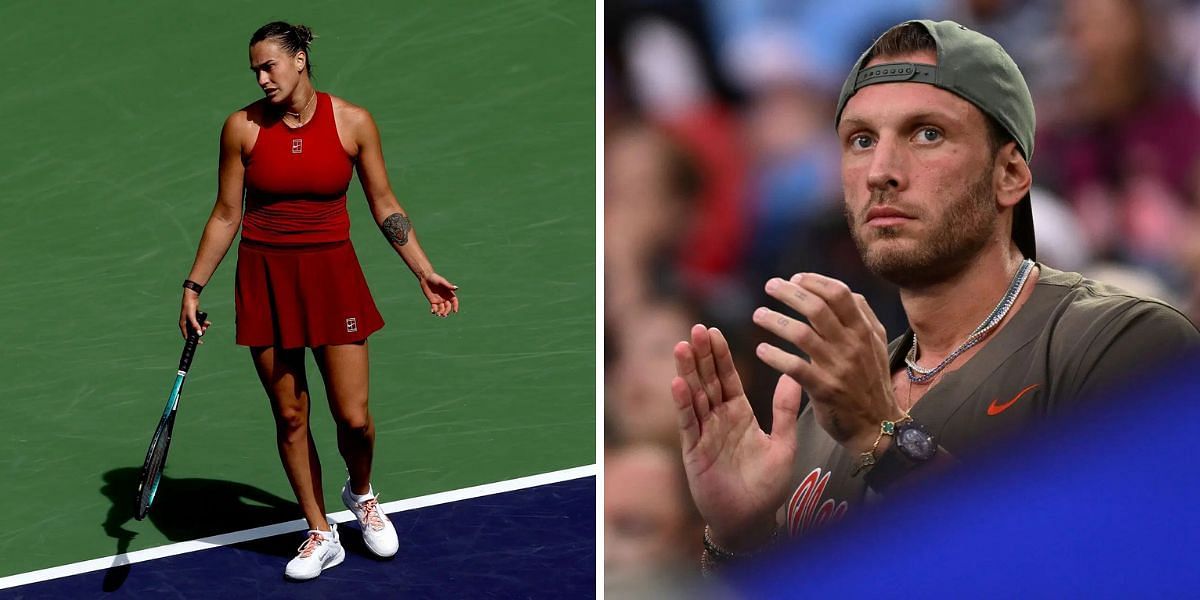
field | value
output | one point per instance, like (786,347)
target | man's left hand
(847,374)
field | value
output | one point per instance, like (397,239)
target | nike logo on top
(994,409)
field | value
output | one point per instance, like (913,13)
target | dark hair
(905,38)
(909,38)
(292,38)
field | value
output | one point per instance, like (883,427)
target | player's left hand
(443,299)
(847,374)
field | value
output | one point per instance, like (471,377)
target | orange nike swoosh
(995,409)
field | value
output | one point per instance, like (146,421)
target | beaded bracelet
(715,556)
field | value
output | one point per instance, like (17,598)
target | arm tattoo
(396,228)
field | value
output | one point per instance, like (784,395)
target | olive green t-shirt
(1071,338)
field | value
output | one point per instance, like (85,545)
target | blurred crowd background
(722,170)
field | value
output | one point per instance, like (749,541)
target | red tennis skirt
(302,296)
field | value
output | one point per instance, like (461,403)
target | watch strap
(188,284)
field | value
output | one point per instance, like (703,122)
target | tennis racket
(156,455)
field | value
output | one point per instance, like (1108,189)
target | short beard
(962,230)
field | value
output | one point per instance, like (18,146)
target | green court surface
(108,157)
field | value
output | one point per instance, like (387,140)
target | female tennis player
(299,284)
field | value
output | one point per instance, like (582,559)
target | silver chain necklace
(919,374)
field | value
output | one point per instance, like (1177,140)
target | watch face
(916,443)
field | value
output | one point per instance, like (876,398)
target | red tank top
(296,182)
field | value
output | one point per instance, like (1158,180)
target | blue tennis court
(536,542)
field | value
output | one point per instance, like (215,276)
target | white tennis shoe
(378,532)
(322,550)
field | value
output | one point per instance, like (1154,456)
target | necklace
(918,374)
(296,115)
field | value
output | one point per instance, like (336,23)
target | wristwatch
(911,447)
(914,443)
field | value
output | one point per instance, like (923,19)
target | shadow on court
(189,509)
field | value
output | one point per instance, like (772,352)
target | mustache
(883,198)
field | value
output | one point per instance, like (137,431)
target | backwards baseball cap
(976,68)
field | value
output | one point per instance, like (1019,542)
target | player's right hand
(187,314)
(738,474)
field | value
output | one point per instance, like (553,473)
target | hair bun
(303,34)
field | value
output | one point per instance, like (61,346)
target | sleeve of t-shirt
(1115,347)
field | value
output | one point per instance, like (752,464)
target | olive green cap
(974,67)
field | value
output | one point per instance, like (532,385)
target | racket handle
(189,347)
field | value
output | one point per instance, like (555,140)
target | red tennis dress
(299,283)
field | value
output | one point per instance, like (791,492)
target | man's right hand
(738,474)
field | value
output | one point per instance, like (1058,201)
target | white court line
(237,537)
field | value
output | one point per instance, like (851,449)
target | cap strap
(889,72)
